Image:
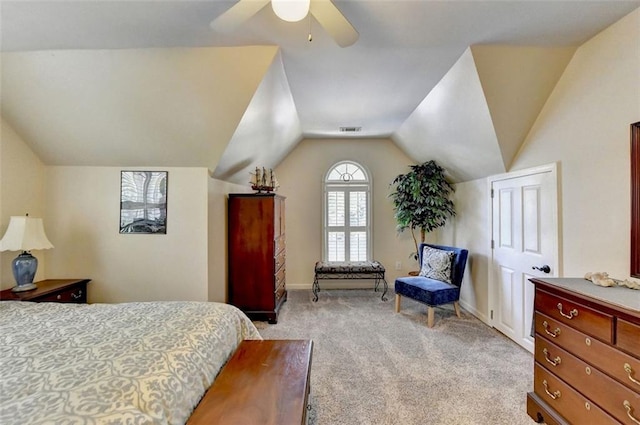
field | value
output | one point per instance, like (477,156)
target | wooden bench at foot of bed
(263,383)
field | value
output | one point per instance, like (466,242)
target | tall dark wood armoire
(257,254)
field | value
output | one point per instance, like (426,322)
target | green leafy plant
(421,200)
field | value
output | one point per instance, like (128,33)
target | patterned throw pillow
(436,264)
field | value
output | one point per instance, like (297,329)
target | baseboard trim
(367,285)
(298,286)
(471,309)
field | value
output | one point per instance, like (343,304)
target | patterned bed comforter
(133,363)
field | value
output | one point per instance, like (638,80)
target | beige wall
(83,224)
(21,192)
(471,229)
(217,262)
(300,176)
(584,127)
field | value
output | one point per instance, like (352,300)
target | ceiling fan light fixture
(291,10)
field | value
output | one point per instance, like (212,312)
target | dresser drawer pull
(76,296)
(553,362)
(627,368)
(554,395)
(59,297)
(573,313)
(553,334)
(629,409)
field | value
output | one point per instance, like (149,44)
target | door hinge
(491,314)
(491,193)
(493,245)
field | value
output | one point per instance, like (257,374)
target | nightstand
(52,290)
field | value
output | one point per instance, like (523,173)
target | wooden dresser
(587,354)
(52,290)
(257,254)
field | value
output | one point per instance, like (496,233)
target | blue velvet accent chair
(434,292)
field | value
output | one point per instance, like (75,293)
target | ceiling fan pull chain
(310,37)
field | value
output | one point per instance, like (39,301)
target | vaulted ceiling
(149,83)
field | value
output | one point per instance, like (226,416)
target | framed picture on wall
(143,202)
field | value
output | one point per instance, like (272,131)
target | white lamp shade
(291,10)
(24,234)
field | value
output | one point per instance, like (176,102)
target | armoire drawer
(280,259)
(279,244)
(576,315)
(280,276)
(569,403)
(280,291)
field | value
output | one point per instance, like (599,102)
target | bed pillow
(436,264)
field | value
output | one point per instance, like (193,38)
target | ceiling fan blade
(334,22)
(237,14)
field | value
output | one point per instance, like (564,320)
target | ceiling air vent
(350,129)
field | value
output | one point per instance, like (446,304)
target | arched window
(347,213)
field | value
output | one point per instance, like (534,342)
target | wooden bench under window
(349,270)
(263,383)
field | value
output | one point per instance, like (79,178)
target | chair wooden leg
(430,316)
(397,303)
(456,306)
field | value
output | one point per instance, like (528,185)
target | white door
(525,245)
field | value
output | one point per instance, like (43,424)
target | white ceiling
(405,48)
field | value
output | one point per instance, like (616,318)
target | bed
(132,363)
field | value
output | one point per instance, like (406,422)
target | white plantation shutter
(347,190)
(335,203)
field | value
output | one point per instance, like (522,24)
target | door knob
(543,269)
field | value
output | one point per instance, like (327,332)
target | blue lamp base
(24,268)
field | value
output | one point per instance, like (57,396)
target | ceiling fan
(325,12)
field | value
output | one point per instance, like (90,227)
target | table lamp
(24,234)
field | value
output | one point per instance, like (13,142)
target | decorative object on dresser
(587,354)
(603,279)
(24,234)
(52,290)
(264,181)
(256,245)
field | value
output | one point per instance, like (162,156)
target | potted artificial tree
(421,200)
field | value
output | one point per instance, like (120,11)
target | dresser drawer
(622,367)
(576,315)
(628,336)
(541,412)
(76,294)
(594,384)
(569,403)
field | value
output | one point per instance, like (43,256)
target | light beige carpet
(373,366)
